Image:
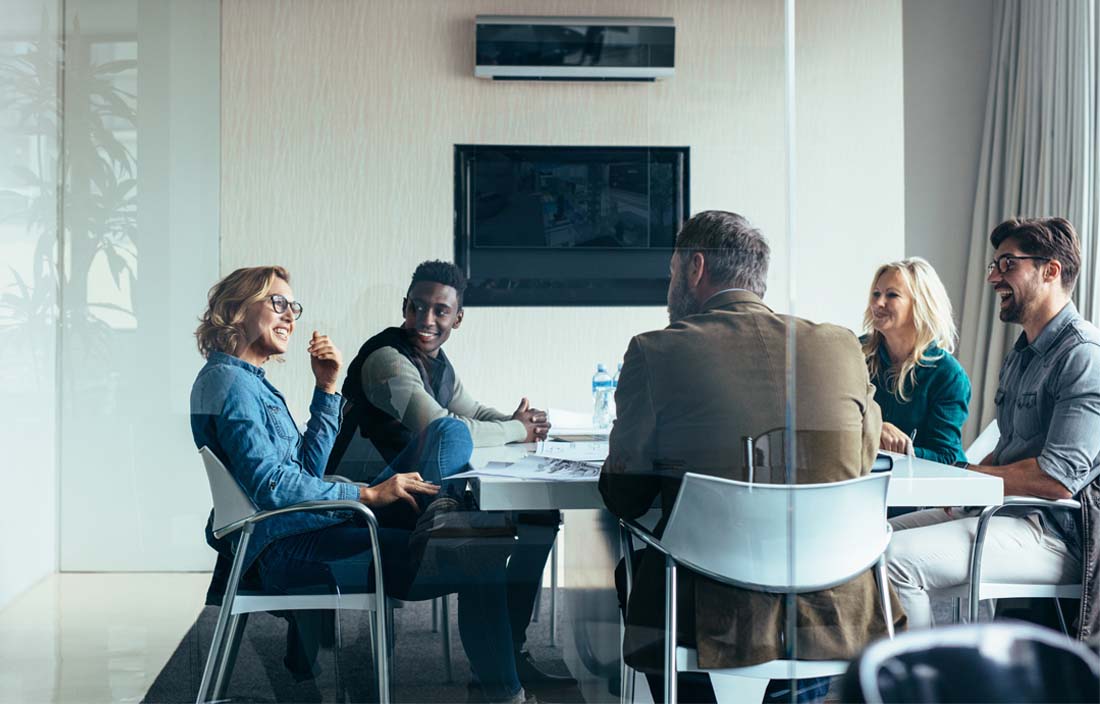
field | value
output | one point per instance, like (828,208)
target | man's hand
(893,440)
(326,361)
(534,420)
(399,487)
(1026,478)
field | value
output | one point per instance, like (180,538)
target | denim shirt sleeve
(1073,440)
(321,429)
(258,445)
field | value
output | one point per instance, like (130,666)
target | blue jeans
(443,450)
(339,558)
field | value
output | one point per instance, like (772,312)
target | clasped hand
(534,421)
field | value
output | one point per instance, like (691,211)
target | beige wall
(338,126)
(948,45)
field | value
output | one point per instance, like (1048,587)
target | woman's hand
(399,487)
(893,440)
(326,361)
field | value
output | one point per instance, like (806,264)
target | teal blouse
(936,409)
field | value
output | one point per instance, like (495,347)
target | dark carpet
(347,672)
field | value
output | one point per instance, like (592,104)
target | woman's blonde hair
(932,318)
(221,327)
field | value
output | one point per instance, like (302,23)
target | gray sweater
(393,384)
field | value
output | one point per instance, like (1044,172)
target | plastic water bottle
(603,389)
(614,390)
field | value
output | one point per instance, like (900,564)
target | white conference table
(590,637)
(913,482)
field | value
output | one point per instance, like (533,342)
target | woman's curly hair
(221,327)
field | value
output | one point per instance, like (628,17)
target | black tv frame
(650,288)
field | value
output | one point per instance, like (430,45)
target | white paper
(564,422)
(569,419)
(539,469)
(575,451)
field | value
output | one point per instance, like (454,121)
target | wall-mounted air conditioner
(528,48)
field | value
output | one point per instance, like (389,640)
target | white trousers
(930,550)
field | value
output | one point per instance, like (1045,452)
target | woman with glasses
(240,415)
(909,335)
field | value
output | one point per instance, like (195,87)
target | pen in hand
(913,443)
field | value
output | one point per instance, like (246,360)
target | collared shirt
(1048,407)
(244,420)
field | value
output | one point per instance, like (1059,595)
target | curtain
(1038,158)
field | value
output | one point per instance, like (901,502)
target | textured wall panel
(339,121)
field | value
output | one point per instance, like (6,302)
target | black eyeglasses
(279,304)
(1006,262)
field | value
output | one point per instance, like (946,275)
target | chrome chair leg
(391,640)
(217,644)
(884,594)
(232,645)
(670,631)
(626,673)
(553,594)
(445,619)
(435,615)
(1061,616)
(372,631)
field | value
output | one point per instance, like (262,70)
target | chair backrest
(779,538)
(816,454)
(231,504)
(984,443)
(989,662)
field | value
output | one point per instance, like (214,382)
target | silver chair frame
(216,672)
(984,518)
(630,528)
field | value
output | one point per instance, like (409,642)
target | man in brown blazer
(687,396)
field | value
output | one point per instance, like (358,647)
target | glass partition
(30,55)
(139,247)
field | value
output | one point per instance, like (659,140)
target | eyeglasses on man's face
(279,304)
(1007,262)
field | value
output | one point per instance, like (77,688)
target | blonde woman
(909,337)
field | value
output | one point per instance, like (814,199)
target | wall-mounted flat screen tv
(538,225)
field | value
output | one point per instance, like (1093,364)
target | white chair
(234,511)
(781,539)
(976,589)
(983,444)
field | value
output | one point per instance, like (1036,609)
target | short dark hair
(440,272)
(1045,237)
(736,253)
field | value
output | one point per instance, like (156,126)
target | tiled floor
(94,637)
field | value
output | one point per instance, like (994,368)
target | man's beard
(680,302)
(1016,310)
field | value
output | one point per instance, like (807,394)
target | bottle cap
(601,368)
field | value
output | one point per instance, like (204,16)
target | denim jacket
(244,420)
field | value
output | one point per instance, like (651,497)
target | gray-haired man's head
(733,255)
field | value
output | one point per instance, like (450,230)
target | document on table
(538,468)
(573,425)
(575,451)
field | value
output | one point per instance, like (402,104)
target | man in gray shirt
(1048,412)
